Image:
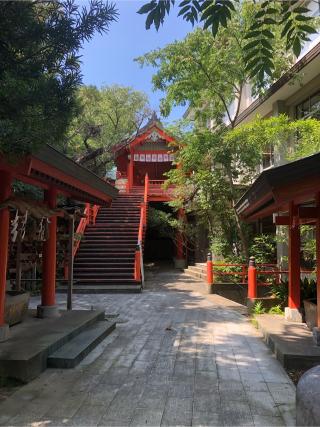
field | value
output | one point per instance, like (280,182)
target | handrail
(90,218)
(138,264)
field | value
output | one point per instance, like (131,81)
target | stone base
(4,332)
(210,288)
(292,315)
(316,335)
(180,263)
(47,311)
(308,401)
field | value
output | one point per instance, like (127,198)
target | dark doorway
(159,246)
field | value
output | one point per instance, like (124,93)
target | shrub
(258,308)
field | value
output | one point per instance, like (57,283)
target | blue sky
(108,59)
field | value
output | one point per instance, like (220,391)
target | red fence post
(137,265)
(209,269)
(252,279)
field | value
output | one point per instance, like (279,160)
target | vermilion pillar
(48,291)
(5,191)
(130,171)
(292,311)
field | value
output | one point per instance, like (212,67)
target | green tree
(291,17)
(209,73)
(40,67)
(107,116)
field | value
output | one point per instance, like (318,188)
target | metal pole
(70,263)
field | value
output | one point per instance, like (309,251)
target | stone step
(103,287)
(197,269)
(70,355)
(196,275)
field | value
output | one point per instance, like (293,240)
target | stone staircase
(106,256)
(197,271)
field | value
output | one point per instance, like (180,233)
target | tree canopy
(107,116)
(40,67)
(207,73)
(292,18)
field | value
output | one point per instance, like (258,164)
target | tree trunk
(242,236)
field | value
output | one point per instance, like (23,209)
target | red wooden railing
(138,264)
(249,274)
(90,218)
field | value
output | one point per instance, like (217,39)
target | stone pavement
(177,357)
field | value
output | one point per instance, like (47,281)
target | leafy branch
(293,17)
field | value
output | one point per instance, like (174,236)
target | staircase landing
(24,356)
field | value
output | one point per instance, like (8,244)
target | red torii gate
(56,174)
(292,192)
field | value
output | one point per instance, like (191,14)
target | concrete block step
(114,226)
(84,287)
(195,275)
(102,259)
(123,252)
(70,355)
(197,269)
(103,275)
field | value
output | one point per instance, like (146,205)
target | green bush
(308,290)
(277,309)
(258,308)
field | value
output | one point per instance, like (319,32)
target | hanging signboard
(138,157)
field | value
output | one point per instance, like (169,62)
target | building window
(310,107)
(268,157)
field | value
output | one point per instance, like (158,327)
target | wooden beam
(282,220)
(308,212)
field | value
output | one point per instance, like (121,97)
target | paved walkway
(177,357)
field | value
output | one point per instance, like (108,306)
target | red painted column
(49,259)
(294,258)
(5,192)
(209,269)
(130,173)
(252,279)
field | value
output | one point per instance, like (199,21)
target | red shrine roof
(47,167)
(153,124)
(275,188)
